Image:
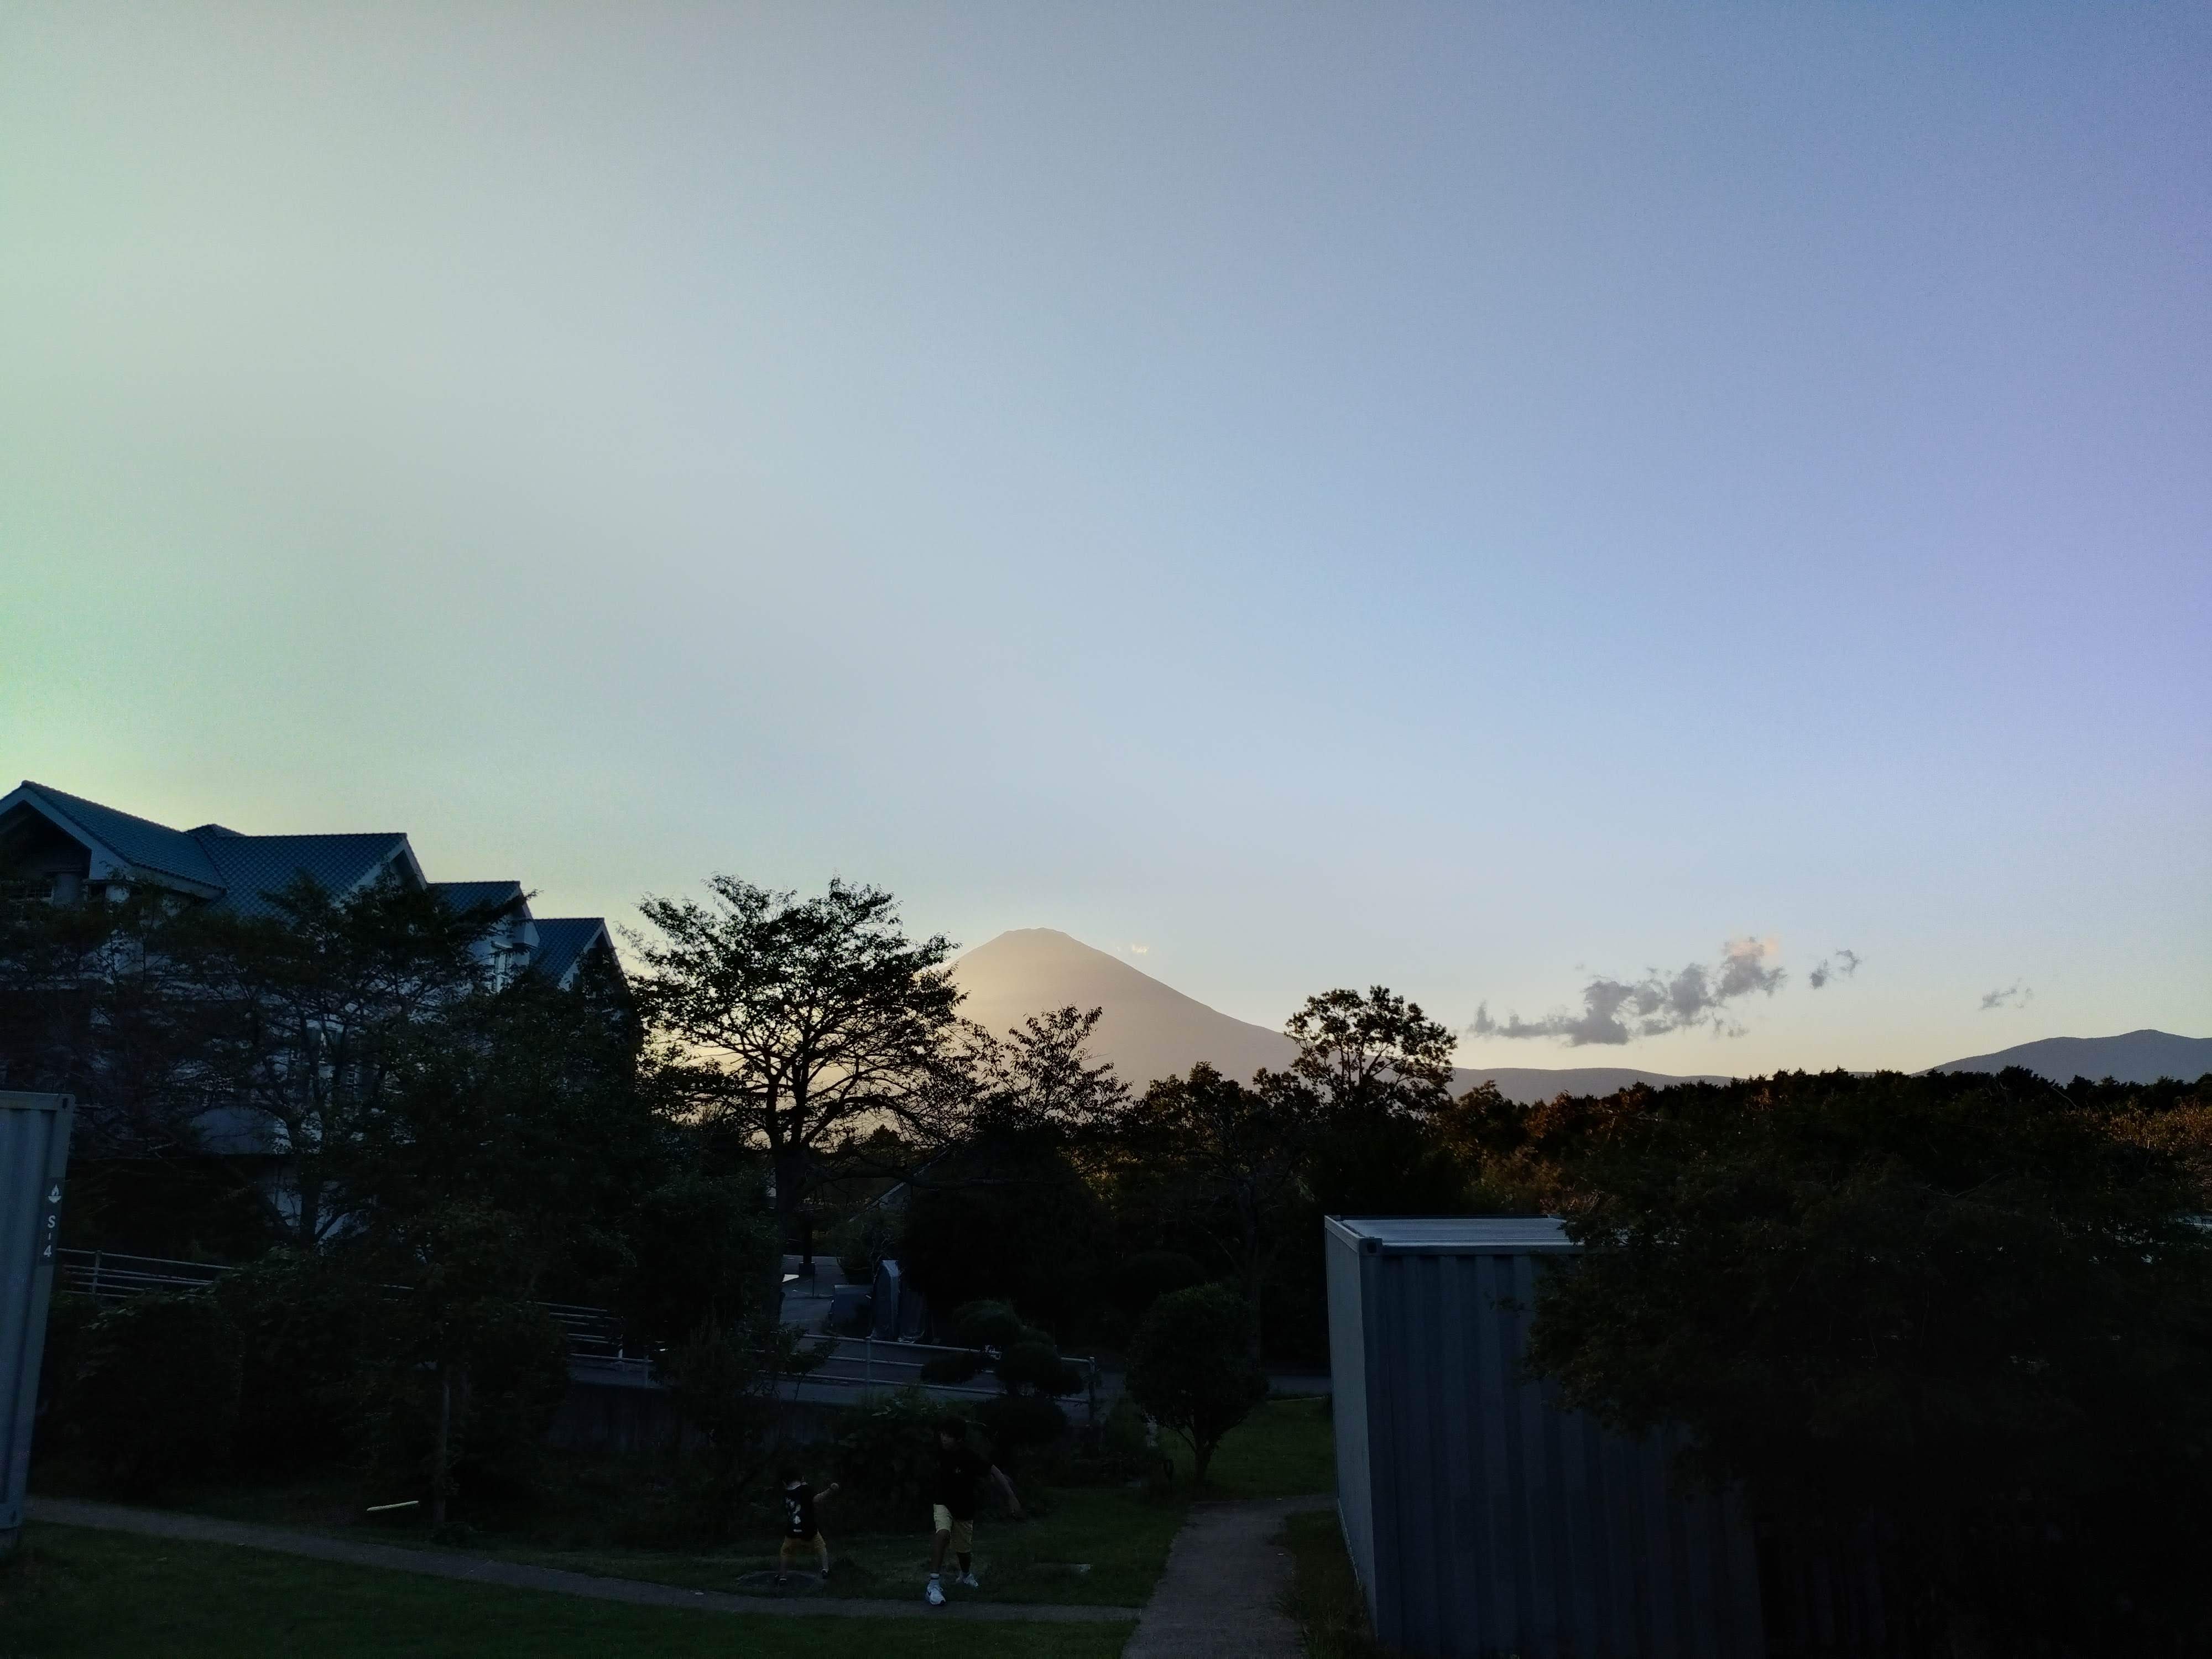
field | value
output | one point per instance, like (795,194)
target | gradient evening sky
(1474,497)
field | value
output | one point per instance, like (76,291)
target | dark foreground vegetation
(77,1594)
(1951,1336)
(1324,1602)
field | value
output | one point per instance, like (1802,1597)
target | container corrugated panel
(34,1131)
(1484,1520)
(1348,1365)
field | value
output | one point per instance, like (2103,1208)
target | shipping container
(34,1136)
(1482,1519)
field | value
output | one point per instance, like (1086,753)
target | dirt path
(479,1569)
(1220,1596)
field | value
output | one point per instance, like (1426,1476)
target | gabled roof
(239,872)
(479,895)
(136,843)
(563,942)
(254,866)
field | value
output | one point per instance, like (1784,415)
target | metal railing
(594,1335)
(111,1274)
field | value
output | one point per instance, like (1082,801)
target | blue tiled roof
(253,867)
(478,895)
(562,943)
(150,846)
(239,872)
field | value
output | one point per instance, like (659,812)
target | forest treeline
(1954,1328)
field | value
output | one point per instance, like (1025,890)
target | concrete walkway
(1221,1596)
(513,1575)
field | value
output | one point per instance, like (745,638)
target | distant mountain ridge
(2143,1056)
(1150,1029)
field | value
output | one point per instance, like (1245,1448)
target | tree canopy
(1973,1311)
(794,1023)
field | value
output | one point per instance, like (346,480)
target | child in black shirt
(800,1526)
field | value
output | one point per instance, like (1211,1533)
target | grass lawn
(1286,1449)
(1121,1536)
(72,1594)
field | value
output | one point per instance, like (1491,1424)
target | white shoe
(934,1595)
(968,1580)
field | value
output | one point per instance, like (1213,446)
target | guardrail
(108,1274)
(594,1335)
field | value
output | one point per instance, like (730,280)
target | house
(61,847)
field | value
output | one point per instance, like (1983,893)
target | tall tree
(1037,1081)
(93,1003)
(313,1011)
(1371,1056)
(1237,1154)
(1009,1210)
(792,1022)
(525,1102)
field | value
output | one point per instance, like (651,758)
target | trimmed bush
(156,1391)
(1191,1368)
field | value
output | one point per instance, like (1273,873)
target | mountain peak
(2142,1056)
(1150,1029)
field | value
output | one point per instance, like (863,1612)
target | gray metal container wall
(1482,1520)
(34,1133)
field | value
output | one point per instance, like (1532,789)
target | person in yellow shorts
(801,1527)
(953,1493)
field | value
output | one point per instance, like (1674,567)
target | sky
(1513,502)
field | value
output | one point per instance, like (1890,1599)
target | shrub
(304,1324)
(1034,1365)
(1191,1367)
(1018,1421)
(517,1378)
(1116,1450)
(1012,1224)
(1024,1358)
(887,1454)
(68,1322)
(156,1390)
(723,1381)
(510,1379)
